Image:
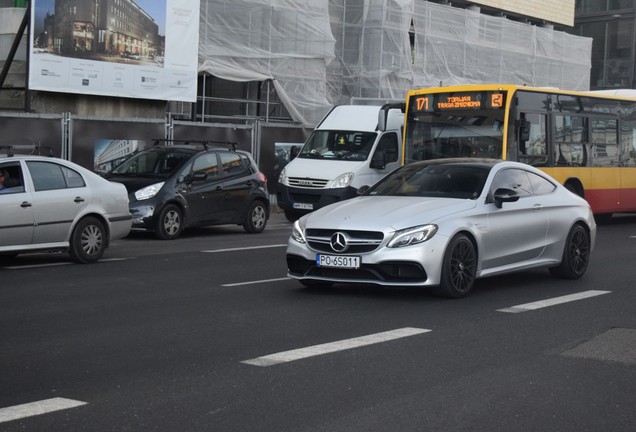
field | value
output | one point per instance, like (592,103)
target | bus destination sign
(458,101)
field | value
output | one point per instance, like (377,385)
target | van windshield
(342,145)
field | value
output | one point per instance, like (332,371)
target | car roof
(486,163)
(192,148)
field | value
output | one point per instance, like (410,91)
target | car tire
(576,254)
(169,224)
(256,218)
(458,268)
(88,240)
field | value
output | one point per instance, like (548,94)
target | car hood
(380,213)
(133,183)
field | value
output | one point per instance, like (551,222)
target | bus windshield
(444,125)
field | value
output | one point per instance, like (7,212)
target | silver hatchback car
(444,224)
(50,204)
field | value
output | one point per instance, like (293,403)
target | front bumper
(302,201)
(410,266)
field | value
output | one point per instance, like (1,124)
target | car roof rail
(37,150)
(9,150)
(204,143)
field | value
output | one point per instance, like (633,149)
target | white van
(353,146)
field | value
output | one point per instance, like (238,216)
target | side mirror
(378,160)
(363,189)
(503,195)
(196,176)
(524,130)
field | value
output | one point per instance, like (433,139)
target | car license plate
(302,206)
(338,261)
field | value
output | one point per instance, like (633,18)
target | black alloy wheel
(458,268)
(576,254)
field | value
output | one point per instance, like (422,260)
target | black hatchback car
(173,187)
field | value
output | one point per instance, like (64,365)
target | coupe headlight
(148,191)
(282,178)
(343,181)
(297,232)
(411,236)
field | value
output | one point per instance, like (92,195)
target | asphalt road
(205,333)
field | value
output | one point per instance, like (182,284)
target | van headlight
(343,181)
(413,235)
(282,178)
(149,191)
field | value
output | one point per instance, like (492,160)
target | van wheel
(88,241)
(256,218)
(169,224)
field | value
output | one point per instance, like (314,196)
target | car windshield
(152,163)
(437,180)
(343,145)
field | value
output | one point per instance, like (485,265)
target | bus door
(531,138)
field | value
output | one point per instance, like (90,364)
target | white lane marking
(30,266)
(255,282)
(553,301)
(244,248)
(36,408)
(316,350)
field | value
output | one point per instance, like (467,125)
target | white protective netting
(319,53)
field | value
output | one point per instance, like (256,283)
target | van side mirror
(363,189)
(378,160)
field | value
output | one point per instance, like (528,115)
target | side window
(605,142)
(231,163)
(51,176)
(514,179)
(540,185)
(389,145)
(628,142)
(11,178)
(207,163)
(570,137)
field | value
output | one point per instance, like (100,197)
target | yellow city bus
(585,140)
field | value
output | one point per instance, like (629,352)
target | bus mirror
(524,130)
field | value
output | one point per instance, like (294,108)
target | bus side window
(570,140)
(605,142)
(628,142)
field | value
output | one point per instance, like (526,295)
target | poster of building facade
(127,48)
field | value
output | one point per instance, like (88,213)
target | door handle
(25,204)
(78,199)
(219,188)
(537,207)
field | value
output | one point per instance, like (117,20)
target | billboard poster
(127,48)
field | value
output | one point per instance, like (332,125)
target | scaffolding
(319,53)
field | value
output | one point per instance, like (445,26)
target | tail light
(261,177)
